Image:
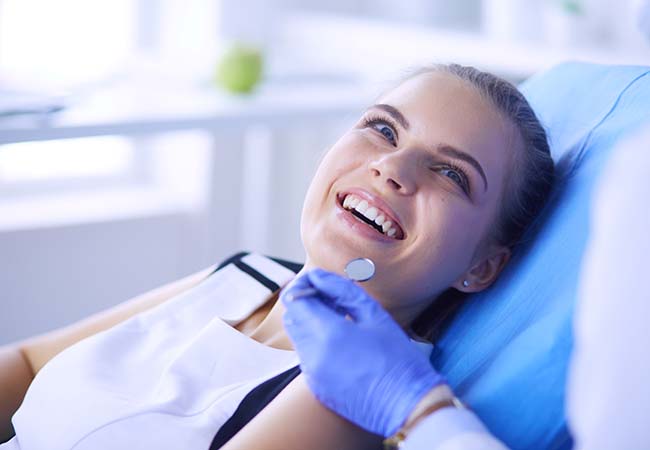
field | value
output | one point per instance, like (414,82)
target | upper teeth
(370,212)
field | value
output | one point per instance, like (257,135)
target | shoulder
(254,280)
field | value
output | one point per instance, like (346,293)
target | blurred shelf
(143,107)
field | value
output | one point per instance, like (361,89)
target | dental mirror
(360,269)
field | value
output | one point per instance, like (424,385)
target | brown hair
(526,190)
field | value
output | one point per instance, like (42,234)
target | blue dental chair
(507,351)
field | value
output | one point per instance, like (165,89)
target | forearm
(15,377)
(296,420)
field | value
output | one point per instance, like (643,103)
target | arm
(296,420)
(21,361)
(15,376)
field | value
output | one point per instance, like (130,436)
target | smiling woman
(435,184)
(441,154)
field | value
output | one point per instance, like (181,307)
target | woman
(435,183)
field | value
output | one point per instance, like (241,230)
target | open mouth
(372,215)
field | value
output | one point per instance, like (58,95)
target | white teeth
(371,213)
(362,206)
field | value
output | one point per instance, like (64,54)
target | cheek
(442,215)
(446,239)
(339,161)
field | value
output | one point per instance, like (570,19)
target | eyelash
(370,121)
(465,185)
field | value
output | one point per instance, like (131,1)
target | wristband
(395,442)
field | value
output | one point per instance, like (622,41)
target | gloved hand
(365,369)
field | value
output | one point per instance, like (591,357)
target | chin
(332,260)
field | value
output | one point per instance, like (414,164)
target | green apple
(240,68)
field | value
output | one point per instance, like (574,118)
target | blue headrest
(507,351)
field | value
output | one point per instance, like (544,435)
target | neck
(270,330)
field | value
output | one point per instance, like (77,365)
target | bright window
(64,42)
(66,158)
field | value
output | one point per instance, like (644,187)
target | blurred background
(127,163)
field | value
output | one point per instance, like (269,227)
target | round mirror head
(360,269)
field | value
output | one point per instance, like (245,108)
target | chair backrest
(507,351)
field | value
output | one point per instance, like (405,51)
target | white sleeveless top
(164,379)
(167,378)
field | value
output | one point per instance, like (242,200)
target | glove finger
(346,295)
(299,288)
(300,283)
(309,316)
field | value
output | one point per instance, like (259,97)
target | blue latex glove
(365,369)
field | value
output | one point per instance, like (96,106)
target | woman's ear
(483,273)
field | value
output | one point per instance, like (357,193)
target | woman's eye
(386,130)
(456,176)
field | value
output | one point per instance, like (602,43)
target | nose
(396,171)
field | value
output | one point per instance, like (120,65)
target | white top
(165,379)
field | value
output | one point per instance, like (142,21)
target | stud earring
(465,283)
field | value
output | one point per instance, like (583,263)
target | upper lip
(378,202)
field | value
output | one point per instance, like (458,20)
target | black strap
(230,259)
(252,404)
(267,282)
(260,396)
(293,266)
(236,259)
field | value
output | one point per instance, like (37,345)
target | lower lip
(361,227)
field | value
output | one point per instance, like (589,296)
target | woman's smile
(360,207)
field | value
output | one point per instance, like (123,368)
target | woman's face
(430,157)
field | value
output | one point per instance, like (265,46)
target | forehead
(442,109)
(434,101)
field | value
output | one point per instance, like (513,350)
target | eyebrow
(455,153)
(442,148)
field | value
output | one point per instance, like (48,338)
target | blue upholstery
(507,351)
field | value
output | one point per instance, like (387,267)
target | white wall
(53,276)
